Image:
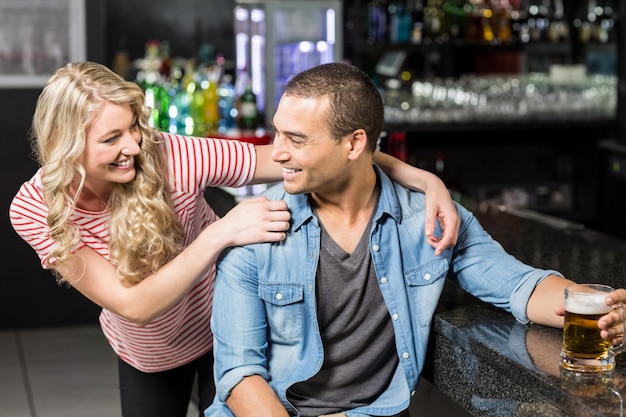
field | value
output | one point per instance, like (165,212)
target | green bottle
(248,111)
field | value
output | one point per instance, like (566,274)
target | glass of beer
(584,350)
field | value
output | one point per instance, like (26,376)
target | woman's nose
(130,145)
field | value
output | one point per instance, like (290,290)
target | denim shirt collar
(388,203)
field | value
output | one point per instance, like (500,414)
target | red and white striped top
(183,333)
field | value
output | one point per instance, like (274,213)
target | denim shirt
(264,307)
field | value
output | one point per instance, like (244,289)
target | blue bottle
(226,104)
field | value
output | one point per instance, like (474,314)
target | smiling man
(335,319)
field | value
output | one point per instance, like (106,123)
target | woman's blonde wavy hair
(145,232)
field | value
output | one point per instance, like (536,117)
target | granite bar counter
(494,366)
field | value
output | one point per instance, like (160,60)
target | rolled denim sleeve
(484,269)
(239,322)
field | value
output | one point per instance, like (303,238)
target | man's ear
(358,143)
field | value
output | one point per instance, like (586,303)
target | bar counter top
(494,366)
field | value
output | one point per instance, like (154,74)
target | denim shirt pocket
(284,304)
(424,284)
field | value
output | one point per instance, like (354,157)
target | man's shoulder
(275,192)
(405,194)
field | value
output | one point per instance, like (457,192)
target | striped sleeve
(197,163)
(28,213)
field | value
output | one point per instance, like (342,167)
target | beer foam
(587,304)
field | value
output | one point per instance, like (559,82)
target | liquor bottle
(179,105)
(393,12)
(539,17)
(163,99)
(176,73)
(211,111)
(190,120)
(248,111)
(417,17)
(434,21)
(400,22)
(121,59)
(585,24)
(226,103)
(455,18)
(519,25)
(165,65)
(377,21)
(502,21)
(148,79)
(486,21)
(162,92)
(559,28)
(474,25)
(605,22)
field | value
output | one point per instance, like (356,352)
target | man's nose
(277,149)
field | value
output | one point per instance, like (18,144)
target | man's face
(311,160)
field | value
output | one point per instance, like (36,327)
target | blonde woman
(117,211)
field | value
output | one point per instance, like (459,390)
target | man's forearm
(254,397)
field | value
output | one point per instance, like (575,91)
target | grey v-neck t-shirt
(359,348)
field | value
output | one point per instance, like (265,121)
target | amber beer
(584,350)
(581,335)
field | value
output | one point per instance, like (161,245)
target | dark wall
(29,295)
(186,24)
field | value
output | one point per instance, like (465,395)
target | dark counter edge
(477,354)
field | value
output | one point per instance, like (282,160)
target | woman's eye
(111,139)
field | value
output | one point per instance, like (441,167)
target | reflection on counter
(606,390)
(494,366)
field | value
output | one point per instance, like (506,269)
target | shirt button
(394,316)
(405,355)
(376,248)
(427,276)
(279,296)
(383,280)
